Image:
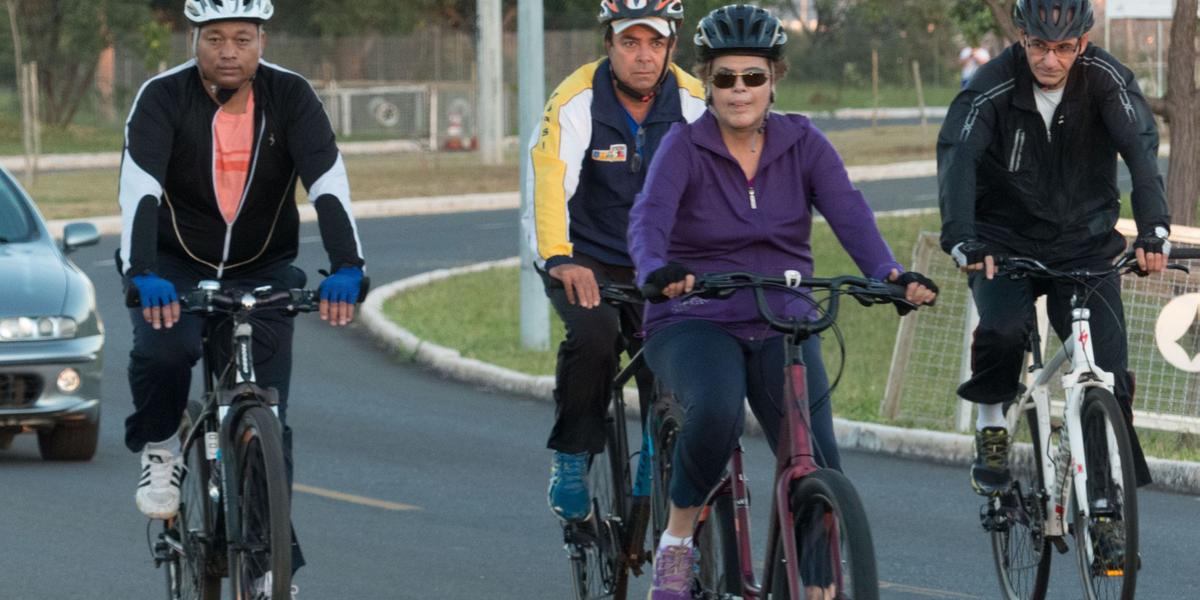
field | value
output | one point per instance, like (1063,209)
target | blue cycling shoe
(568,494)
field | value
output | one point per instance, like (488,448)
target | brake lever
(1179,267)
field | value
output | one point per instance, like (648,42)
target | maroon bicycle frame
(794,461)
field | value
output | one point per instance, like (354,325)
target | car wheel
(69,442)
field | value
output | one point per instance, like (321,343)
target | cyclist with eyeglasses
(736,191)
(213,150)
(601,127)
(1027,165)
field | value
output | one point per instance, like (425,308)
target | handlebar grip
(652,293)
(1184,254)
(133,299)
(364,287)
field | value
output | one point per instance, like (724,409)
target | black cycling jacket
(1004,181)
(168,200)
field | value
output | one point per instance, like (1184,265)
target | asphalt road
(416,487)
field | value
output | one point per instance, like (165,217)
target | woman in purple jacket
(735,191)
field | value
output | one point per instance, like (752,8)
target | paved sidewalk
(951,448)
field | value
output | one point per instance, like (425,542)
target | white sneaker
(262,588)
(158,489)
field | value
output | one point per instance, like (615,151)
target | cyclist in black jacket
(1027,164)
(213,149)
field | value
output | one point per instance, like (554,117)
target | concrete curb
(936,446)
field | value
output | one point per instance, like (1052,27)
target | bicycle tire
(1114,503)
(598,566)
(666,422)
(263,504)
(719,572)
(191,576)
(1020,552)
(828,500)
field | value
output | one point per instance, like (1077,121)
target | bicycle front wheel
(1016,520)
(261,557)
(192,574)
(833,541)
(716,543)
(1107,541)
(598,566)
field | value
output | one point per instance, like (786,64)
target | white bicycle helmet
(200,12)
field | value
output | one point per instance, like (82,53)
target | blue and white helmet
(200,12)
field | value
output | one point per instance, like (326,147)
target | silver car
(51,336)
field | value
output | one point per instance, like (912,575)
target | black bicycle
(235,510)
(611,544)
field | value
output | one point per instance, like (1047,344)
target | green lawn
(803,96)
(434,312)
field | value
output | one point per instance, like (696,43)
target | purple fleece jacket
(697,209)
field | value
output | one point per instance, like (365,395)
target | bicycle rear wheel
(598,567)
(833,540)
(1016,520)
(1107,542)
(716,543)
(264,544)
(191,575)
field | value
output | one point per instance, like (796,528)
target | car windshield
(16,220)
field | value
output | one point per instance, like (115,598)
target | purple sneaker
(673,569)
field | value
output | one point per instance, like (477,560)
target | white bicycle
(1080,479)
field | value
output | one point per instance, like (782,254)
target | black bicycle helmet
(740,29)
(1054,20)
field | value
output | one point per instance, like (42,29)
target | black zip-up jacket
(168,198)
(1002,180)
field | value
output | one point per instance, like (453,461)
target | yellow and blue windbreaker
(585,165)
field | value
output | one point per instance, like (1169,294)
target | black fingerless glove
(660,278)
(970,252)
(907,277)
(1154,243)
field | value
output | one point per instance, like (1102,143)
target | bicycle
(829,551)
(1086,450)
(604,549)
(234,517)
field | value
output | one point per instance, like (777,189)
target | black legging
(711,371)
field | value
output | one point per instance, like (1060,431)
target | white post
(962,413)
(491,91)
(433,117)
(535,314)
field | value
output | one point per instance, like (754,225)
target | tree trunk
(1002,10)
(1182,105)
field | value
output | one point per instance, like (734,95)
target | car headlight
(22,329)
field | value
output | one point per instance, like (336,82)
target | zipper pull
(753,201)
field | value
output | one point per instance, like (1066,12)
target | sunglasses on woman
(728,79)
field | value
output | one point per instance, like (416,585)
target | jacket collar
(1024,80)
(607,108)
(783,131)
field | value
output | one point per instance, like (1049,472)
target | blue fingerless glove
(154,290)
(342,286)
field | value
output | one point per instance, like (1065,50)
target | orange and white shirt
(233,146)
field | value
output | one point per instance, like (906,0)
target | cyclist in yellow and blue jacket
(600,128)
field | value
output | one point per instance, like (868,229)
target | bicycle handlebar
(203,300)
(866,291)
(1126,263)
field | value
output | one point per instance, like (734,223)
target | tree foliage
(65,38)
(900,30)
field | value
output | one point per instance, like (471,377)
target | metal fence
(932,349)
